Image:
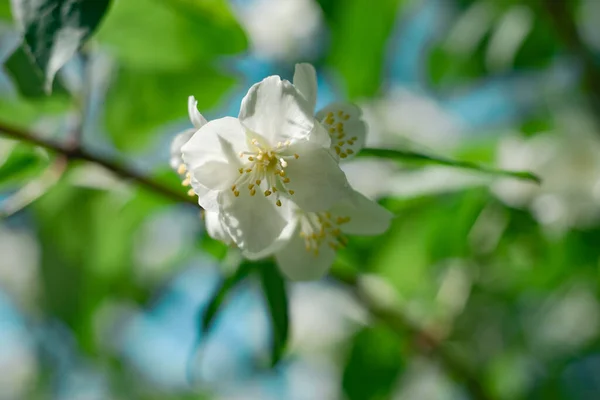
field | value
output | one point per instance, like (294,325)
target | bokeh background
(103,283)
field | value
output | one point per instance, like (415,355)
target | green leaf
(184,33)
(274,290)
(359,33)
(411,156)
(23,161)
(139,102)
(373,366)
(27,76)
(55,29)
(223,290)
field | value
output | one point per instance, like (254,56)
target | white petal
(277,245)
(298,264)
(305,80)
(219,140)
(315,177)
(197,119)
(366,216)
(178,141)
(253,222)
(348,141)
(207,198)
(216,175)
(214,228)
(274,109)
(320,136)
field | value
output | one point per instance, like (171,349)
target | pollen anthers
(334,122)
(320,228)
(187,181)
(264,170)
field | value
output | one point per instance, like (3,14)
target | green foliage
(359,34)
(22,162)
(28,78)
(158,72)
(55,29)
(374,365)
(87,238)
(275,293)
(141,101)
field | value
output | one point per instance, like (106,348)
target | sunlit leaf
(359,34)
(138,102)
(411,156)
(275,292)
(55,29)
(170,35)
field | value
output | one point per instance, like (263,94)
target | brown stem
(77,153)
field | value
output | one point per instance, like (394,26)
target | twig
(427,343)
(78,153)
(393,319)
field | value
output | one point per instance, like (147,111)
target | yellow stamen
(286,180)
(350,151)
(191,192)
(291,192)
(181,170)
(343,155)
(296,156)
(251,186)
(278,203)
(185,182)
(258,182)
(236,193)
(267,193)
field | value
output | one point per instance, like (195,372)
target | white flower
(250,168)
(342,121)
(313,238)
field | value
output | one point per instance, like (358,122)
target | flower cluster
(269,180)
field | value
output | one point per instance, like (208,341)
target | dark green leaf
(411,156)
(373,365)
(274,290)
(359,33)
(27,76)
(223,290)
(23,161)
(55,29)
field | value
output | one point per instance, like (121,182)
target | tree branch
(78,153)
(393,319)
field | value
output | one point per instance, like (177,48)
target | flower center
(334,123)
(319,228)
(264,170)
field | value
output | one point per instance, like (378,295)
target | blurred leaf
(28,78)
(411,156)
(5,13)
(359,34)
(275,292)
(87,238)
(223,290)
(139,102)
(23,161)
(55,29)
(171,34)
(373,365)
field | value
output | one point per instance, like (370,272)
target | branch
(393,319)
(77,153)
(427,343)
